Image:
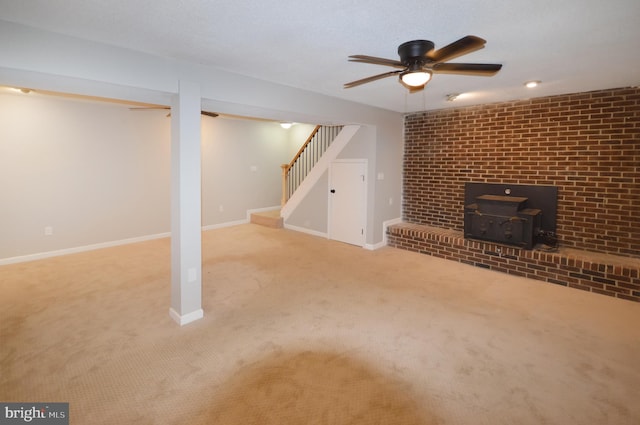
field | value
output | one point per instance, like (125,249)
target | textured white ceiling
(570,45)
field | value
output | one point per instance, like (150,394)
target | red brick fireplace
(585,144)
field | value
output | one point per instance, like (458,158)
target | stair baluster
(313,148)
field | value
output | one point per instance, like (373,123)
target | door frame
(363,212)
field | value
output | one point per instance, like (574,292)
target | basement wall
(586,144)
(78,174)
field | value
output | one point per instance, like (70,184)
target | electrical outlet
(48,231)
(221,208)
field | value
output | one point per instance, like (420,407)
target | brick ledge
(601,273)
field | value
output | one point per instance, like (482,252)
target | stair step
(268,218)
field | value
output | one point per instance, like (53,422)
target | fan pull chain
(424,100)
(406,102)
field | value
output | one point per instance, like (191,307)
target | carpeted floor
(303,330)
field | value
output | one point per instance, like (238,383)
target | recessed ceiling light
(458,96)
(532,84)
(286,125)
(453,96)
(21,90)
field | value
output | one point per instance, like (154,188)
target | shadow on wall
(312,388)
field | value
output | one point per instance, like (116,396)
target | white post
(186,251)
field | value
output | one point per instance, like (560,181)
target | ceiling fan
(208,114)
(419,60)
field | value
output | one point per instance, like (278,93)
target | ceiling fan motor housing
(412,50)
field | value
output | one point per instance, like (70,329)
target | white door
(348,201)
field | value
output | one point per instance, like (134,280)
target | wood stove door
(508,230)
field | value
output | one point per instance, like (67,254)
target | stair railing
(295,171)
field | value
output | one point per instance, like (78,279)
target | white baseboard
(305,230)
(227,224)
(373,247)
(78,249)
(370,247)
(75,250)
(186,318)
(385,224)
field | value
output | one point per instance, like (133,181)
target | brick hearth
(604,274)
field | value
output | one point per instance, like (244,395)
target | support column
(186,236)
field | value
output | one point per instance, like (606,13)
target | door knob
(333,191)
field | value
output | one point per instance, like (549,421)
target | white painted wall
(93,172)
(241,165)
(98,172)
(311,215)
(43,60)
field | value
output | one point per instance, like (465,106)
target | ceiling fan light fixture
(415,78)
(419,60)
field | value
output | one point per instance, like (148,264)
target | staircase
(307,157)
(299,175)
(268,219)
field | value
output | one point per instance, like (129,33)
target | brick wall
(587,144)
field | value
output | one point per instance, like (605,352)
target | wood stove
(507,214)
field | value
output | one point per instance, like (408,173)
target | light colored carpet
(303,330)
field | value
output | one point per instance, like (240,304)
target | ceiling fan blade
(376,61)
(465,45)
(370,79)
(481,69)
